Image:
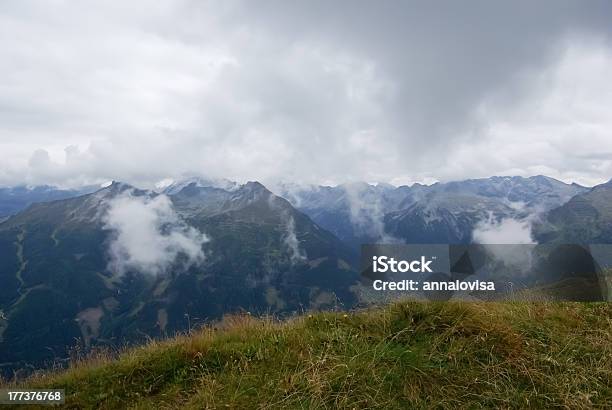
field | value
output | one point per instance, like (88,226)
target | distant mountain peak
(114,189)
(254,186)
(118,185)
(194,199)
(176,186)
(252,191)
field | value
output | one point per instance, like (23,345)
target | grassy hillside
(412,354)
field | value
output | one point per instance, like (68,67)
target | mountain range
(439,213)
(585,218)
(15,199)
(123,264)
(70,272)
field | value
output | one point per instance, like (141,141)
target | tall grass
(406,355)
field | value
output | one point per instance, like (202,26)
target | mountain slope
(53,278)
(586,218)
(353,212)
(15,199)
(59,285)
(446,217)
(533,194)
(408,355)
(439,213)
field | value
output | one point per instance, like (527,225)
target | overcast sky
(317,92)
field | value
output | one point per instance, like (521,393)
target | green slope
(407,355)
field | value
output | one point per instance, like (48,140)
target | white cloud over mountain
(149,237)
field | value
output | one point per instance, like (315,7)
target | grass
(406,355)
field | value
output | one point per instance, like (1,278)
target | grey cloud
(312,91)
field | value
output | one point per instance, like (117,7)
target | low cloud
(367,213)
(289,237)
(292,243)
(506,240)
(506,231)
(148,236)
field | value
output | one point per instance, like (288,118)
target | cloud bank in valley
(508,231)
(506,241)
(313,91)
(149,237)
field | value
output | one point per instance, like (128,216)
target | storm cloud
(314,92)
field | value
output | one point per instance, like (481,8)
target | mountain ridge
(57,282)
